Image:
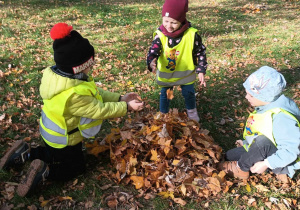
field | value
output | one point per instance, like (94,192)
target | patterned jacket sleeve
(154,51)
(199,55)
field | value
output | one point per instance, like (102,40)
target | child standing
(272,135)
(73,110)
(176,55)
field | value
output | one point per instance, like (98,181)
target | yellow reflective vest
(53,126)
(262,124)
(175,65)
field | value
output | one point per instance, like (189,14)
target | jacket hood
(53,84)
(284,103)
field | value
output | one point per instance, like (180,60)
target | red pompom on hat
(60,30)
(175,9)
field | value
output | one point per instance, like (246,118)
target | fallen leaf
(154,155)
(248,188)
(105,187)
(44,203)
(64,198)
(112,203)
(138,181)
(167,194)
(183,189)
(261,188)
(179,201)
(170,95)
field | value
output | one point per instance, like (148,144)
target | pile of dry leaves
(167,155)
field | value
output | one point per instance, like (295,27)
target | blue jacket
(286,134)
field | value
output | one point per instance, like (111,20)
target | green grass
(239,39)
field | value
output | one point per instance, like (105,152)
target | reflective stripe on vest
(186,80)
(53,127)
(262,124)
(50,130)
(175,74)
(175,66)
(85,127)
(62,140)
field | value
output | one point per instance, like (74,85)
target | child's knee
(188,92)
(262,141)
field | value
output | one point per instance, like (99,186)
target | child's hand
(135,105)
(130,96)
(239,143)
(202,79)
(259,167)
(153,65)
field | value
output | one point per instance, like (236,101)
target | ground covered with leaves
(170,156)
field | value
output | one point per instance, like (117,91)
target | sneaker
(16,155)
(37,172)
(193,114)
(283,178)
(233,170)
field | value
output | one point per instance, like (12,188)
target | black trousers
(64,164)
(259,150)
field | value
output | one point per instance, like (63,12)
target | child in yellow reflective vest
(74,108)
(272,134)
(177,55)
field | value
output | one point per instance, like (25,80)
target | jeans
(64,164)
(260,149)
(188,92)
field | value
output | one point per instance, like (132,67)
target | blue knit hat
(265,84)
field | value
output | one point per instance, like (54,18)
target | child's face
(254,101)
(171,24)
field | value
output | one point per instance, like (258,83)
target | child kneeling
(74,108)
(272,135)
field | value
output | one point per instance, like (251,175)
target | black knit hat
(72,52)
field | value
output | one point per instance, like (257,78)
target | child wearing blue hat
(272,134)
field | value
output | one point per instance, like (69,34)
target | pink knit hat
(175,9)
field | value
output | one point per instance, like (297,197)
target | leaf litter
(173,157)
(166,154)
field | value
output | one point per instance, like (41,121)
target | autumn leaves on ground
(146,160)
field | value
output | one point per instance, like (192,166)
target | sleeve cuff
(267,163)
(200,70)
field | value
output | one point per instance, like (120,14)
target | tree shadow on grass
(291,75)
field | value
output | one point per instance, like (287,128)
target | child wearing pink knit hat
(177,56)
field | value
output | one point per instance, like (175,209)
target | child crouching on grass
(73,109)
(272,134)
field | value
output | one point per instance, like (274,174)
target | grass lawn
(240,37)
